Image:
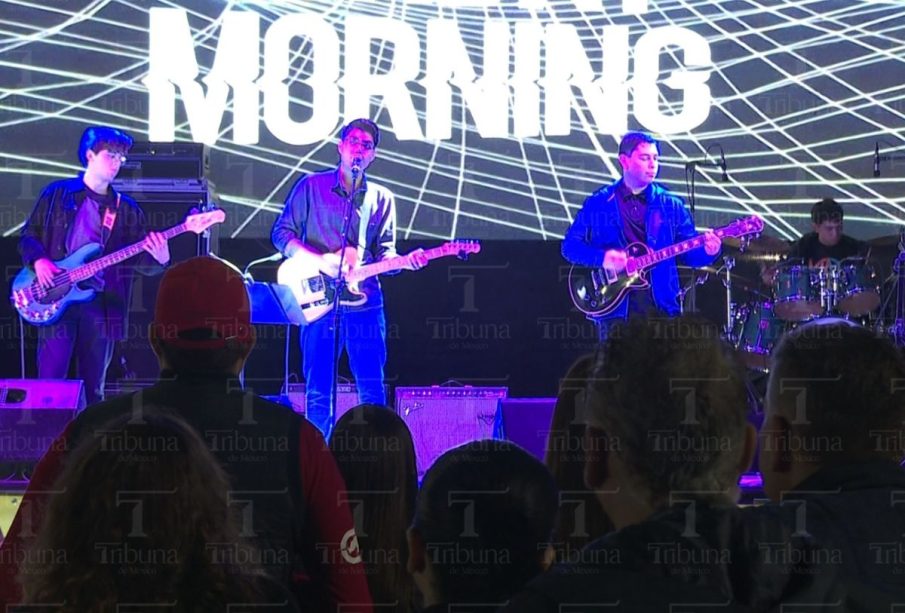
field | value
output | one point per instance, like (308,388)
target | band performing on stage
(337,233)
(325,491)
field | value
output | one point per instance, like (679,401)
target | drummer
(827,244)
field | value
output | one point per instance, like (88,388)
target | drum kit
(790,294)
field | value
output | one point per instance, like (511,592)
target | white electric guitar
(314,290)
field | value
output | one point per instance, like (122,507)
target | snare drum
(755,330)
(797,289)
(859,288)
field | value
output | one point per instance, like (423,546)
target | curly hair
(842,388)
(672,396)
(140,515)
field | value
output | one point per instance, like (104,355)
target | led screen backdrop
(498,117)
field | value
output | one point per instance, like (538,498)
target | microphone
(725,177)
(877,159)
(356,167)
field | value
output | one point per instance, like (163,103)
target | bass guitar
(43,306)
(599,291)
(315,291)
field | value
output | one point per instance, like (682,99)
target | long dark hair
(581,517)
(374,451)
(140,515)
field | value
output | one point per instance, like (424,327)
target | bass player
(69,214)
(312,226)
(635,209)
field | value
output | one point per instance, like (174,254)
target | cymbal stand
(898,328)
(728,265)
(683,291)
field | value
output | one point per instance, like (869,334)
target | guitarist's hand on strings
(156,244)
(329,265)
(615,260)
(415,260)
(45,270)
(712,243)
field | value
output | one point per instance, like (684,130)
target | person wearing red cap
(285,483)
(311,228)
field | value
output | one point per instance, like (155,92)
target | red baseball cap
(202,303)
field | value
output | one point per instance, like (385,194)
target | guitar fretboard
(396,263)
(655,257)
(89,269)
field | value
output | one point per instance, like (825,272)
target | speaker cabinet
(165,203)
(442,418)
(526,422)
(33,412)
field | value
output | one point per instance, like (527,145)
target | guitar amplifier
(346,398)
(33,412)
(166,160)
(441,418)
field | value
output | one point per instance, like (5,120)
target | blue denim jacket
(598,227)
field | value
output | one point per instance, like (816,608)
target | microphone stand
(339,286)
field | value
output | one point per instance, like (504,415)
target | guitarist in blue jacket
(635,209)
(69,214)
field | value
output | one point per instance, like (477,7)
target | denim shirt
(314,213)
(598,227)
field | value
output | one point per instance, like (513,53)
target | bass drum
(755,331)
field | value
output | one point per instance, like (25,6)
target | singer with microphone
(328,215)
(635,209)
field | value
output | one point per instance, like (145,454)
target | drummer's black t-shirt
(812,251)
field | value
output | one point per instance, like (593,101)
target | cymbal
(760,244)
(884,241)
(708,269)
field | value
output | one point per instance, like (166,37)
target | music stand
(275,304)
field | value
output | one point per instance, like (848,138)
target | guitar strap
(110,219)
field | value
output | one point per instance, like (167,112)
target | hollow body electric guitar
(599,291)
(43,306)
(314,290)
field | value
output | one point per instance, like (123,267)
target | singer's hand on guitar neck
(45,270)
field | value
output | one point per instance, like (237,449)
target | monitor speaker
(33,412)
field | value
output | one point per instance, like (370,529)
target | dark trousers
(81,333)
(363,336)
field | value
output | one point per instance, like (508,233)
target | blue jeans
(363,336)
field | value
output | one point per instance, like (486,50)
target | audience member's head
(482,524)
(581,518)
(836,394)
(375,454)
(140,515)
(666,417)
(202,318)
